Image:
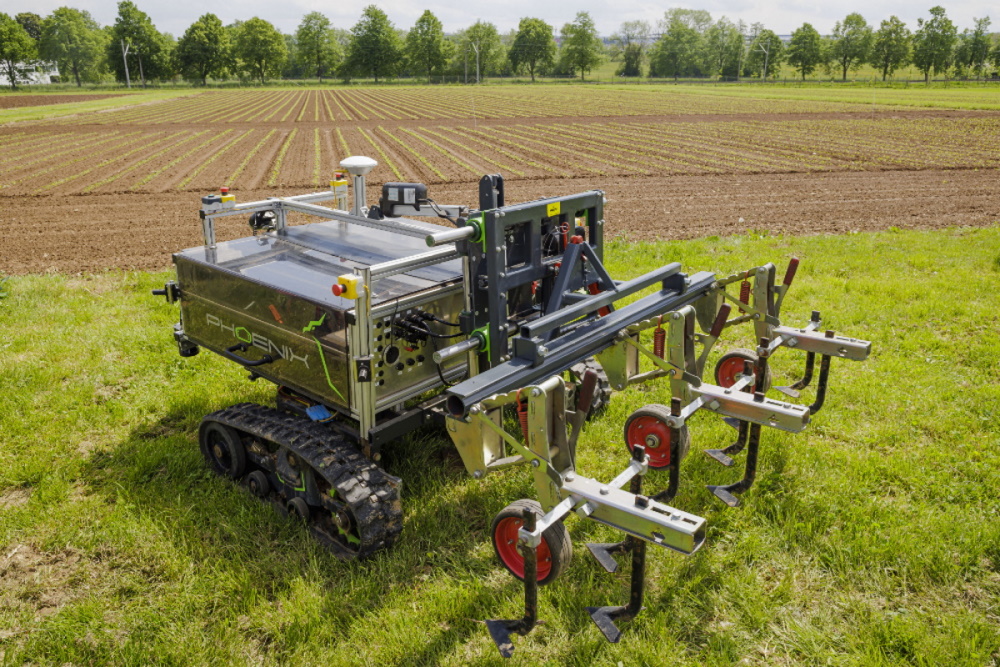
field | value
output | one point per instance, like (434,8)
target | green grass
(870,539)
(122,99)
(949,96)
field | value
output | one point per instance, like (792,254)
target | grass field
(870,539)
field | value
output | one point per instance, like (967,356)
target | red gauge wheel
(648,426)
(731,364)
(554,551)
(222,448)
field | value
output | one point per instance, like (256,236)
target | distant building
(32,74)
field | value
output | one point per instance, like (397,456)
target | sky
(175,16)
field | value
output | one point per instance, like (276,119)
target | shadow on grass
(225,532)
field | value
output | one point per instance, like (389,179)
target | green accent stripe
(326,371)
(312,325)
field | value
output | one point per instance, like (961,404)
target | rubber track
(370,493)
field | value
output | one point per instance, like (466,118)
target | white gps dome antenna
(358,166)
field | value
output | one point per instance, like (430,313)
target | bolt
(569,477)
(536,392)
(675,316)
(542,350)
(499,248)
(619,387)
(714,405)
(792,342)
(535,463)
(478,474)
(474,410)
(605,490)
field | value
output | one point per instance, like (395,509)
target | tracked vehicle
(372,322)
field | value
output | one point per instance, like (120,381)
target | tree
(203,51)
(629,44)
(16,49)
(933,42)
(852,41)
(426,47)
(32,24)
(316,45)
(533,47)
(766,52)
(260,49)
(678,49)
(582,49)
(805,51)
(484,38)
(136,46)
(375,47)
(890,47)
(723,44)
(973,48)
(75,42)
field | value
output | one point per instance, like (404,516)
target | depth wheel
(258,484)
(649,426)
(731,364)
(554,551)
(223,449)
(602,396)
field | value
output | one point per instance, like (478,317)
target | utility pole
(128,82)
(766,56)
(475,45)
(466,64)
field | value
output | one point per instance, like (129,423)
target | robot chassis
(525,290)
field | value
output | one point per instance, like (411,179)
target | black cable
(427,316)
(440,212)
(422,328)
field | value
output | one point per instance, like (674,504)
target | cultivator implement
(495,332)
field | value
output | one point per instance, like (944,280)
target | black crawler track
(342,479)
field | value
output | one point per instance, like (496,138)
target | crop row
(133,159)
(438,104)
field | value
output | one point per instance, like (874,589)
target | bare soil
(84,233)
(15,101)
(83,194)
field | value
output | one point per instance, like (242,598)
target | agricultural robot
(372,323)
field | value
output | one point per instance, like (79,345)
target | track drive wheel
(258,484)
(223,449)
(554,552)
(731,364)
(648,426)
(298,509)
(602,397)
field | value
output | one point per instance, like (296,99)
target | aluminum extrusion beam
(567,314)
(563,352)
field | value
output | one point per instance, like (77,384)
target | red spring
(744,293)
(522,416)
(659,341)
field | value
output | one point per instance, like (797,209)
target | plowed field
(121,188)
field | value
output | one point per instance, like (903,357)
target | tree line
(686,43)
